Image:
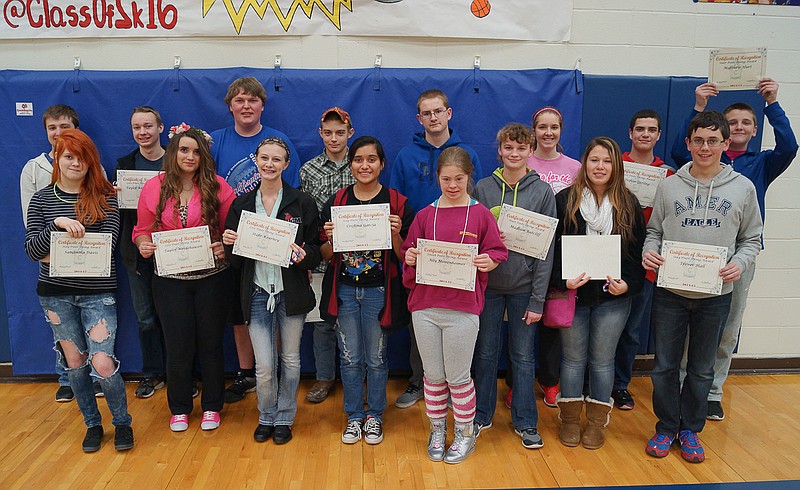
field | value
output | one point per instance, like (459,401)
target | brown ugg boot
(598,415)
(570,415)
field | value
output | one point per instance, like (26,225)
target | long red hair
(96,191)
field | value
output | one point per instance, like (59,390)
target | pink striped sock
(463,402)
(436,399)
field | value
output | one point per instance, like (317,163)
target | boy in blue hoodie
(762,168)
(705,202)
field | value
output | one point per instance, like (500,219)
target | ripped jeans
(90,323)
(362,350)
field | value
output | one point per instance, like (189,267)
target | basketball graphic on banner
(480,8)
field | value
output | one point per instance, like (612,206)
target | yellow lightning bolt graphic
(260,8)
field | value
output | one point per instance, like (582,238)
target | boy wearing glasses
(705,202)
(414,176)
(321,177)
(762,168)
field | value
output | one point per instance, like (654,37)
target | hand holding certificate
(692,267)
(446,264)
(266,239)
(527,232)
(183,250)
(737,69)
(361,227)
(643,181)
(130,183)
(89,256)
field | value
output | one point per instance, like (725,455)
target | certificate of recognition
(643,181)
(361,227)
(737,69)
(89,256)
(265,239)
(527,232)
(446,264)
(183,250)
(596,255)
(130,183)
(692,267)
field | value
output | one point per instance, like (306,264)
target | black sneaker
(373,430)
(123,438)
(408,398)
(714,411)
(263,432)
(623,399)
(94,436)
(64,394)
(148,386)
(530,438)
(98,390)
(240,387)
(282,434)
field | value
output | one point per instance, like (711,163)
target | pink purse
(559,308)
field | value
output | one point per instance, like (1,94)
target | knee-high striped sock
(436,399)
(463,396)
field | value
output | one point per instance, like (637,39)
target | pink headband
(547,108)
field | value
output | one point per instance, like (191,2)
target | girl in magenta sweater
(446,319)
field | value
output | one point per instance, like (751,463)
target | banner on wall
(532,20)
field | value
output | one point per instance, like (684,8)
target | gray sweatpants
(446,342)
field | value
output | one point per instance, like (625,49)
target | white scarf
(599,219)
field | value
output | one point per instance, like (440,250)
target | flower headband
(183,127)
(272,140)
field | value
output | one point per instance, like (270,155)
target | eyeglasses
(699,142)
(438,113)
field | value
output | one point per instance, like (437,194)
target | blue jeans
(151,338)
(362,350)
(628,345)
(277,398)
(684,407)
(521,350)
(592,339)
(325,351)
(73,319)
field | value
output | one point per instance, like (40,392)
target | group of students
(211,179)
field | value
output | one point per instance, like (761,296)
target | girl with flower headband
(81,310)
(192,306)
(276,299)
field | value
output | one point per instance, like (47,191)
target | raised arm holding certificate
(130,183)
(89,256)
(183,250)
(596,255)
(643,181)
(527,232)
(446,264)
(737,69)
(265,239)
(361,227)
(692,267)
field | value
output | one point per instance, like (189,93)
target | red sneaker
(508,398)
(550,395)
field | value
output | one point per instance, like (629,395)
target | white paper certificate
(89,256)
(643,181)
(692,267)
(527,232)
(316,285)
(265,239)
(446,264)
(596,255)
(130,183)
(737,69)
(361,227)
(183,250)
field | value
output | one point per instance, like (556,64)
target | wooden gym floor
(40,446)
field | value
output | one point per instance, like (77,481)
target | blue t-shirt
(236,159)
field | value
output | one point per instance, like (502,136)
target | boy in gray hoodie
(709,203)
(517,286)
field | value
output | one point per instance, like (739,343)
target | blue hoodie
(414,169)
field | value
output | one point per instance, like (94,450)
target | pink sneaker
(550,395)
(179,423)
(210,420)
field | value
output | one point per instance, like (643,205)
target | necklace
(436,215)
(370,199)
(55,193)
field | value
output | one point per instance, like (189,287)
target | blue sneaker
(658,445)
(691,449)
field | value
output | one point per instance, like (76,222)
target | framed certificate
(596,255)
(692,267)
(89,256)
(446,264)
(183,250)
(643,181)
(527,232)
(737,69)
(130,183)
(265,239)
(361,227)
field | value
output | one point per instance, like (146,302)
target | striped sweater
(44,208)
